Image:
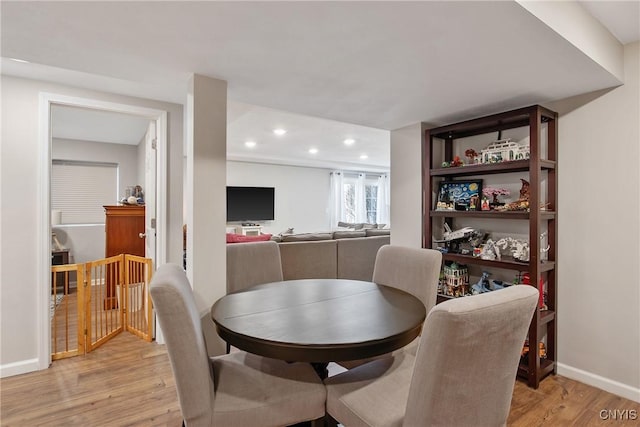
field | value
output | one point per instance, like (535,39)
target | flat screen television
(250,203)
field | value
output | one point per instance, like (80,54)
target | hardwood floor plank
(128,382)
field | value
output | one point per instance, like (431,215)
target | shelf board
(507,263)
(546,316)
(545,215)
(492,168)
(501,121)
(546,367)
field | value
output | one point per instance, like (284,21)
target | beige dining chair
(413,270)
(462,375)
(238,389)
(265,267)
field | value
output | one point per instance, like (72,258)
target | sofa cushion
(348,234)
(303,237)
(357,225)
(357,257)
(239,238)
(377,232)
(309,260)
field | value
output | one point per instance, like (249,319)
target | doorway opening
(153,165)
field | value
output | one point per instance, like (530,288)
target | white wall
(87,242)
(22,199)
(301,194)
(406,186)
(599,236)
(598,229)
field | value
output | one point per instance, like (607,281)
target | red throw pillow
(239,238)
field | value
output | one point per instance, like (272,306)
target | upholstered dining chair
(266,265)
(237,389)
(413,270)
(462,375)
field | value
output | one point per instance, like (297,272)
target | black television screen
(250,203)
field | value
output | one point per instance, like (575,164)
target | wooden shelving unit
(541,171)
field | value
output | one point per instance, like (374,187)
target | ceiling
(359,68)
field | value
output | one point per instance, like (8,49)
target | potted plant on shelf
(494,192)
(471,154)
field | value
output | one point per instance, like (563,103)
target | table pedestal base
(321,369)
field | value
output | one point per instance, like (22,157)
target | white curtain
(383,208)
(360,200)
(336,202)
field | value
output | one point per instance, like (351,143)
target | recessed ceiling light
(313,150)
(250,144)
(19,60)
(349,141)
(279,131)
(363,156)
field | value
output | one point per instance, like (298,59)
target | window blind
(80,189)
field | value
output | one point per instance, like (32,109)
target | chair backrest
(412,270)
(250,264)
(468,357)
(180,322)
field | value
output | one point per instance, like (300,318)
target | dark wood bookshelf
(541,173)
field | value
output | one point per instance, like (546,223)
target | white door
(150,192)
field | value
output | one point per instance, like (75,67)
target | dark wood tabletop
(319,320)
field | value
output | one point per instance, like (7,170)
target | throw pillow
(239,238)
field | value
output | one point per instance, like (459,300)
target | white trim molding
(606,384)
(17,368)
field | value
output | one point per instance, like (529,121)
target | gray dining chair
(265,267)
(413,270)
(462,375)
(237,389)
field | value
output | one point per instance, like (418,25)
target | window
(80,189)
(358,197)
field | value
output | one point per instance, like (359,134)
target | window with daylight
(359,197)
(80,189)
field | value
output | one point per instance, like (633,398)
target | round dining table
(319,320)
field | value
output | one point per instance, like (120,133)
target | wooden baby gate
(111,295)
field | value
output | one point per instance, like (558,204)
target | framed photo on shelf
(459,195)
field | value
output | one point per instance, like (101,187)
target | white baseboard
(606,384)
(17,368)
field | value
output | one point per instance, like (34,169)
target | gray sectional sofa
(330,255)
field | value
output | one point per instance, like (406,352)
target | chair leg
(329,421)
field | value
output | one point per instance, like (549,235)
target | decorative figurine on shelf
(494,192)
(490,251)
(456,162)
(483,284)
(485,204)
(456,279)
(471,154)
(522,204)
(504,150)
(519,248)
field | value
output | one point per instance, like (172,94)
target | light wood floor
(128,382)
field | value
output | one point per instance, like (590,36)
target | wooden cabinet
(443,144)
(124,234)
(123,226)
